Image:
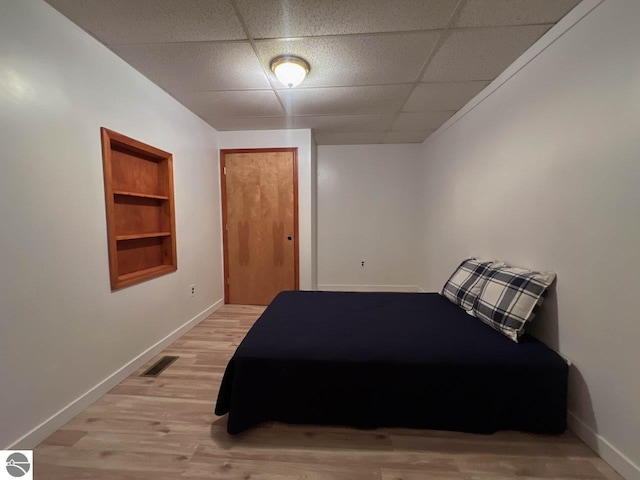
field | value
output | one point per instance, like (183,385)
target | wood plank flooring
(164,428)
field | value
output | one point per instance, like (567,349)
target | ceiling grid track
(444,35)
(252,42)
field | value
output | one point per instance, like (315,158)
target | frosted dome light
(290,70)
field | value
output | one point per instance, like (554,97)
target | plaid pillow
(463,286)
(507,299)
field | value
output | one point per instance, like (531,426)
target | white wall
(545,173)
(301,139)
(368,209)
(62,330)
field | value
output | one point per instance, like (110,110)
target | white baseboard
(369,288)
(57,420)
(610,454)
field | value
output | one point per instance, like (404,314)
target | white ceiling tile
(153,21)
(213,105)
(355,60)
(480,54)
(344,100)
(298,18)
(442,96)
(251,123)
(344,123)
(365,58)
(347,138)
(197,66)
(421,121)
(408,136)
(489,13)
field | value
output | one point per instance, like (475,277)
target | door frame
(223,195)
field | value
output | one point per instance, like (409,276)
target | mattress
(389,359)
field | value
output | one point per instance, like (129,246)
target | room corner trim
(60,418)
(609,453)
(369,288)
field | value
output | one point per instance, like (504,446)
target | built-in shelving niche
(138,181)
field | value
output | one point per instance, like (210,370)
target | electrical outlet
(193,290)
(362,263)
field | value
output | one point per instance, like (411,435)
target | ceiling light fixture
(290,69)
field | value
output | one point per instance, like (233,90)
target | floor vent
(158,367)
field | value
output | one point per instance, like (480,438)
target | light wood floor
(164,428)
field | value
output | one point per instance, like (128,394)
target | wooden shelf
(140,195)
(136,236)
(140,275)
(141,226)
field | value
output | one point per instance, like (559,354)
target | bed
(389,360)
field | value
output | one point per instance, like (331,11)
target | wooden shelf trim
(136,236)
(135,277)
(139,203)
(140,195)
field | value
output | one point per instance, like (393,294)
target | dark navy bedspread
(389,359)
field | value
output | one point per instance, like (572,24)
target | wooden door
(260,217)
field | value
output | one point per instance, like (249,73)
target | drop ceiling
(382,71)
